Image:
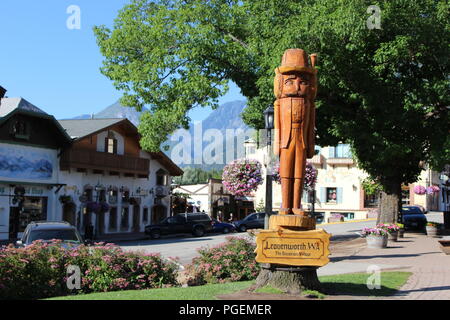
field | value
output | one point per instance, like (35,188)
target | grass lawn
(206,292)
(356,284)
(347,284)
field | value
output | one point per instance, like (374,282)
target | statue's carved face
(295,85)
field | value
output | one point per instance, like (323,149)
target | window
(371,201)
(331,195)
(20,129)
(340,151)
(112,195)
(102,195)
(113,219)
(250,150)
(111,145)
(88,193)
(145,215)
(347,215)
(405,195)
(161,178)
(124,219)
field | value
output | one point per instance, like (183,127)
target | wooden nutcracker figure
(295,87)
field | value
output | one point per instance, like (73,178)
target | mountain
(116,110)
(225,117)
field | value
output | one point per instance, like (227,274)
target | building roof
(162,158)
(80,128)
(12,106)
(7,105)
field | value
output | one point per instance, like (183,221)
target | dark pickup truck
(195,223)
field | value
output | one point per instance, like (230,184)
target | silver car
(48,231)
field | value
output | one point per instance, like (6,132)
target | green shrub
(233,260)
(40,270)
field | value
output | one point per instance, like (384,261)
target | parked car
(223,227)
(196,223)
(413,217)
(425,211)
(47,231)
(252,221)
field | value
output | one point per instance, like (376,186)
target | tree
(197,175)
(384,91)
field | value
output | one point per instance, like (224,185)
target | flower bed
(233,260)
(40,270)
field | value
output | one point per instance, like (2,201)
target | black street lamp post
(269,123)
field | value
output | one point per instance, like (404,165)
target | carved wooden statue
(295,88)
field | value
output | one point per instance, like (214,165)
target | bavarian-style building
(91,173)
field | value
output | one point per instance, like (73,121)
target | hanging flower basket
(104,207)
(65,199)
(432,190)
(93,207)
(242,177)
(420,190)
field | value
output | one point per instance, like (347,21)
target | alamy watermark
(73,281)
(374,21)
(73,22)
(374,280)
(214,146)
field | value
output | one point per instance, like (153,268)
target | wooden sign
(293,248)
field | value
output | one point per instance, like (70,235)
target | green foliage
(233,260)
(206,292)
(261,207)
(384,91)
(197,175)
(356,284)
(371,187)
(40,270)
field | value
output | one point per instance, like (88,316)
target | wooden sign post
(291,250)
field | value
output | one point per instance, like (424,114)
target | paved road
(185,247)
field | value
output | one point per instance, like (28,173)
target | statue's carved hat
(295,60)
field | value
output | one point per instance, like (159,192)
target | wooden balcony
(340,161)
(88,159)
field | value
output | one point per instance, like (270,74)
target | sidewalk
(415,253)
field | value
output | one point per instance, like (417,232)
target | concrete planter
(431,231)
(401,233)
(393,236)
(376,242)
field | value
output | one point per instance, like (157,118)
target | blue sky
(56,68)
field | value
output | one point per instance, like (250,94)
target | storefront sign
(306,248)
(34,191)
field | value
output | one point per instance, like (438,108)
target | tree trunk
(390,203)
(291,282)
